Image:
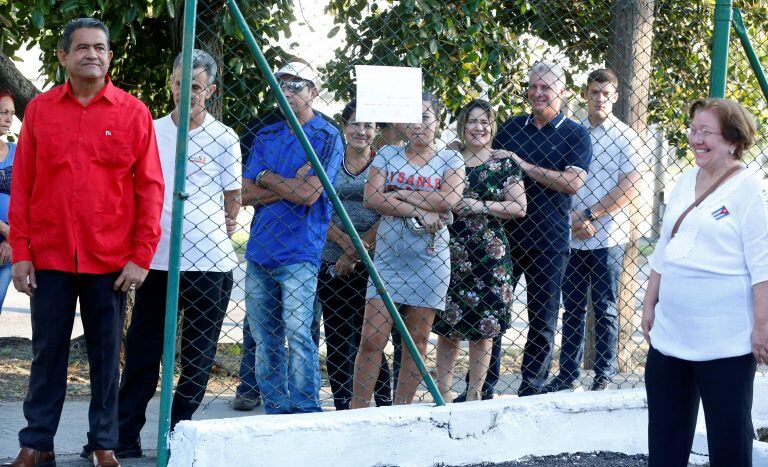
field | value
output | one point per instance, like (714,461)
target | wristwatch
(589,215)
(485,208)
(258,181)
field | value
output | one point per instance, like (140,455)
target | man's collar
(108,91)
(555,122)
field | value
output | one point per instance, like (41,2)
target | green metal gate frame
(724,17)
(179,197)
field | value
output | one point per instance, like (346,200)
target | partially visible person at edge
(481,293)
(343,278)
(554,153)
(7,151)
(705,312)
(207,260)
(390,134)
(600,230)
(413,188)
(283,252)
(247,394)
(87,195)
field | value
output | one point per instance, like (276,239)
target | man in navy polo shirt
(553,153)
(287,236)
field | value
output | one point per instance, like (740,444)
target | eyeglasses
(692,132)
(294,86)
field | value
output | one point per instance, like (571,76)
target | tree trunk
(12,80)
(630,56)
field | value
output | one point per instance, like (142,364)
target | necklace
(349,172)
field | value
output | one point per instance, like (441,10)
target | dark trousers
(543,278)
(203,300)
(674,388)
(343,305)
(53,312)
(591,274)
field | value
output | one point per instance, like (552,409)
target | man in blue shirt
(554,153)
(287,236)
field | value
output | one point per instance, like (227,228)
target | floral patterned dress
(481,291)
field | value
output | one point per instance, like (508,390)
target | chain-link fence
(511,226)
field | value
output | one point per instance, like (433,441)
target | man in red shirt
(87,195)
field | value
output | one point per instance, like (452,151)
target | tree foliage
(146,36)
(466,47)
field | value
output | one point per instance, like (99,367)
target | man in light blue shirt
(287,237)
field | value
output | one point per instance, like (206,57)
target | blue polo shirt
(285,233)
(560,144)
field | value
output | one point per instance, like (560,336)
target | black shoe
(463,397)
(526,390)
(381,402)
(245,403)
(600,384)
(123,451)
(557,385)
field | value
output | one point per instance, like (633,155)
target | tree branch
(12,80)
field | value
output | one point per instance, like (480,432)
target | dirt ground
(16,359)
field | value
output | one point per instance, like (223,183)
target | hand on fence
(24,277)
(130,277)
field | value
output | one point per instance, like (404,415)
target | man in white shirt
(207,260)
(600,231)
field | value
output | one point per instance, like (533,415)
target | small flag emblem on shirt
(107,133)
(720,212)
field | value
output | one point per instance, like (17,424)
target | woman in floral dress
(481,290)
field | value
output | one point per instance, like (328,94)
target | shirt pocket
(114,149)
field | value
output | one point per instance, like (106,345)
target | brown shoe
(104,458)
(29,457)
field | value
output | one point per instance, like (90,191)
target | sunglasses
(294,86)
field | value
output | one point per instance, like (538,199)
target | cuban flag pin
(720,212)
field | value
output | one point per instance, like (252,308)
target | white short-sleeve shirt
(213,167)
(720,251)
(616,151)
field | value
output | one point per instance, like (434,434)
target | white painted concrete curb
(500,430)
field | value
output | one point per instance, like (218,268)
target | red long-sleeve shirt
(87,185)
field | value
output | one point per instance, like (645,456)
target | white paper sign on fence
(388,94)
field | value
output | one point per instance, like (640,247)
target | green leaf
(334,30)
(38,19)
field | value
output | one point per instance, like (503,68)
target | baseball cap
(299,70)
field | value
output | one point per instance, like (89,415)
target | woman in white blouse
(705,312)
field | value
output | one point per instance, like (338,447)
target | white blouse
(707,271)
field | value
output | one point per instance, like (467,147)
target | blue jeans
(5,280)
(594,272)
(279,303)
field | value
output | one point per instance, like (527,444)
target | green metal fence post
(177,215)
(754,62)
(328,186)
(719,69)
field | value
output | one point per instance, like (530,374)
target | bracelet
(259,179)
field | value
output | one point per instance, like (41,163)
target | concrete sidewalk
(74,425)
